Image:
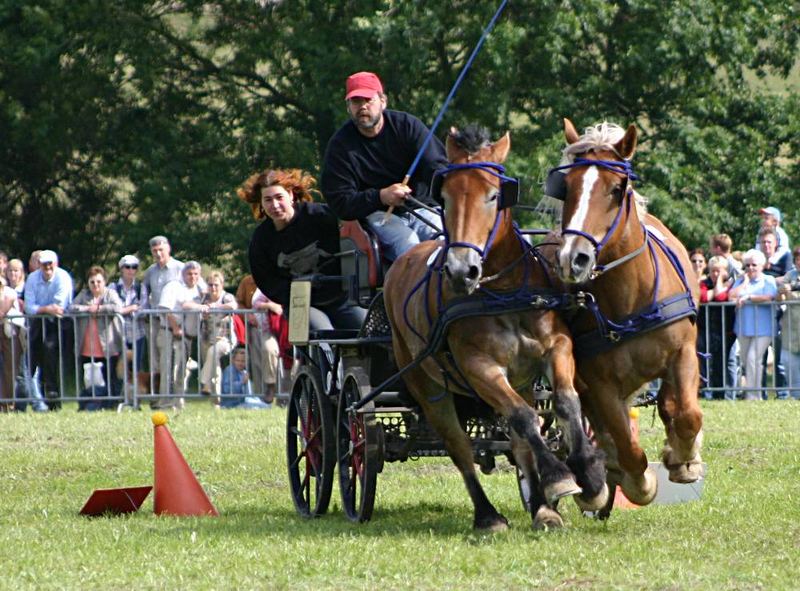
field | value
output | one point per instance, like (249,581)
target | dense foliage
(120,119)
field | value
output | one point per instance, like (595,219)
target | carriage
(333,425)
(474,325)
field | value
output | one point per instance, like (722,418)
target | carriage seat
(362,270)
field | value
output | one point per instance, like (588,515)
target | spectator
(27,380)
(722,245)
(3,263)
(163,270)
(715,324)
(48,293)
(789,290)
(10,344)
(133,295)
(299,238)
(180,302)
(217,331)
(771,218)
(778,262)
(244,298)
(269,332)
(15,274)
(235,382)
(777,265)
(698,260)
(99,339)
(754,320)
(367,160)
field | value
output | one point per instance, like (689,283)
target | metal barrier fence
(44,363)
(50,360)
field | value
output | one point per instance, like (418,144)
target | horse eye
(617,192)
(493,196)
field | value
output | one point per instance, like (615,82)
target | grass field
(743,534)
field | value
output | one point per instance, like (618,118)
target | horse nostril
(580,261)
(474,272)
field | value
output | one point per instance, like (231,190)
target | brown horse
(497,356)
(640,320)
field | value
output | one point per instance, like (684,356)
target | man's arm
(339,186)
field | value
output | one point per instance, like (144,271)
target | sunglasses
(130,266)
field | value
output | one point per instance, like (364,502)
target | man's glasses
(130,266)
(751,265)
(359,101)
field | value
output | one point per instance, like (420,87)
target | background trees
(120,119)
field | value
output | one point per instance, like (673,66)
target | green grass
(743,534)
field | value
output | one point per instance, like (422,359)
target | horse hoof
(594,503)
(687,472)
(494,524)
(562,488)
(547,519)
(643,491)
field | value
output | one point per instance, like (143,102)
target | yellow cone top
(159,418)
(632,412)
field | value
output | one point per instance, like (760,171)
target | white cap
(48,256)
(128,259)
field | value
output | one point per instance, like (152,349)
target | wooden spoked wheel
(310,446)
(359,451)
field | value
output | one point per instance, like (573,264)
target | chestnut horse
(494,356)
(639,325)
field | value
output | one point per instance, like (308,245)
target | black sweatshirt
(356,167)
(304,247)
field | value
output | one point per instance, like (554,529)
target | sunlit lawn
(743,534)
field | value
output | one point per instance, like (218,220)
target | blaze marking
(590,176)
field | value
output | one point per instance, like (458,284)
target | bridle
(507,197)
(624,168)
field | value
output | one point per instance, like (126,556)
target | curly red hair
(295,180)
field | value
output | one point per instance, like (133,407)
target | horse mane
(472,139)
(602,137)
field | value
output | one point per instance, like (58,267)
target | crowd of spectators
(743,329)
(162,326)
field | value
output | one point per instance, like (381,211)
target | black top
(305,246)
(779,268)
(357,167)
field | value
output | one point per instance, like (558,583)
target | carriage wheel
(310,445)
(358,449)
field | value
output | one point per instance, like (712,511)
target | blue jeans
(402,232)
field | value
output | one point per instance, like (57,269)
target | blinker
(555,185)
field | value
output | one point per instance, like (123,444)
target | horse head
(477,196)
(597,197)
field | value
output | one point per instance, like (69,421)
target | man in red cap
(365,163)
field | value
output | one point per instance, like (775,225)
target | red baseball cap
(363,85)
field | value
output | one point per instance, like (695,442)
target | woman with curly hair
(298,237)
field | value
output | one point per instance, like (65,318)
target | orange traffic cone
(177,491)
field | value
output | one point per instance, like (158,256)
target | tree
(128,118)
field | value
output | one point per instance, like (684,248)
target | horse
(639,321)
(496,357)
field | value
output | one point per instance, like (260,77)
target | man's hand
(395,194)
